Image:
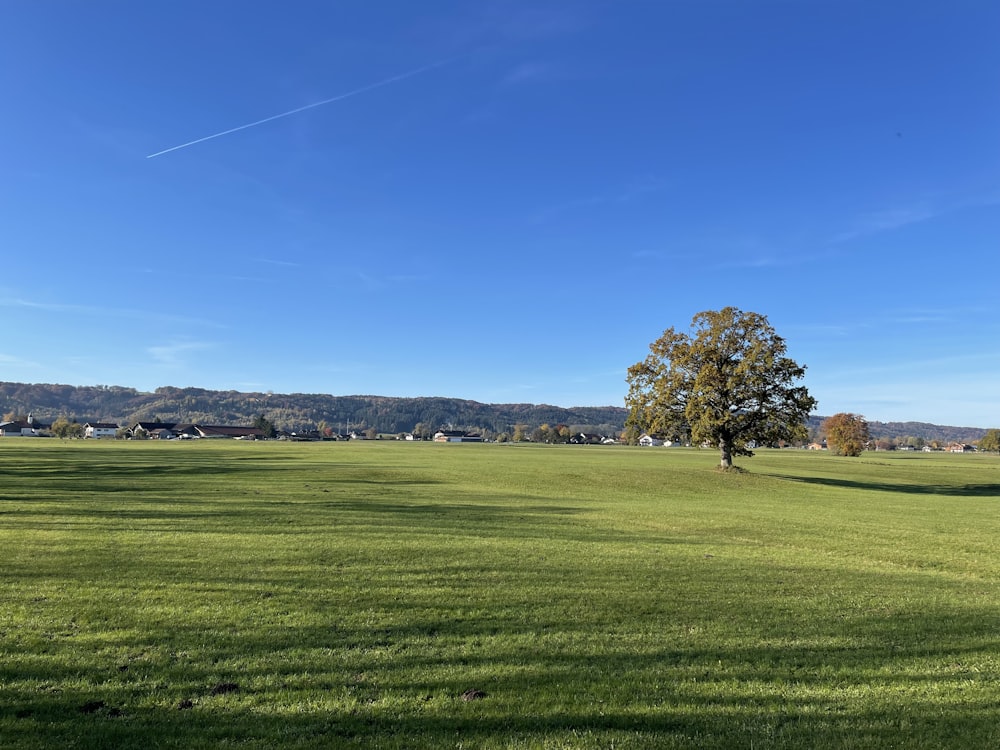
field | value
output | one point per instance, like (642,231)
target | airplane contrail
(363,89)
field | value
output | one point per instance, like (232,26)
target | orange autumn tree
(846,434)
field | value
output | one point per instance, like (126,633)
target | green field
(201,594)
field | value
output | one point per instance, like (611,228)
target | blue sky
(503,201)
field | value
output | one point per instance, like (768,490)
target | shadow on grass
(474,724)
(362,687)
(946,490)
(565,660)
(310,515)
(471,510)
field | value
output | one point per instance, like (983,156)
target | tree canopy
(990,441)
(265,425)
(727,383)
(846,434)
(63,428)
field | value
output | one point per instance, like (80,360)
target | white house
(456,436)
(100,430)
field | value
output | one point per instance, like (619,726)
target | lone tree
(846,434)
(728,383)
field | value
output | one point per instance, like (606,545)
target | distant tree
(520,433)
(63,428)
(846,434)
(503,437)
(727,383)
(371,433)
(263,424)
(60,428)
(12,416)
(630,435)
(990,442)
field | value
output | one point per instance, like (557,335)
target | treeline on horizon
(386,414)
(294,411)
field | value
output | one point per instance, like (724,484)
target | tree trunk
(726,454)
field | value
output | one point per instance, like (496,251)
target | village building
(27,427)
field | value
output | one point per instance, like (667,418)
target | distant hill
(293,411)
(923,430)
(303,411)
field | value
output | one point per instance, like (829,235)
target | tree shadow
(948,490)
(371,687)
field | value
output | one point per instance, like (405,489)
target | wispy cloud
(920,210)
(15,361)
(726,251)
(648,255)
(745,262)
(414,278)
(373,281)
(490,26)
(174,353)
(930,369)
(535,72)
(620,195)
(951,314)
(917,319)
(107,312)
(241,279)
(884,221)
(900,321)
(527,24)
(47,306)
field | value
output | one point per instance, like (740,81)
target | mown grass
(346,595)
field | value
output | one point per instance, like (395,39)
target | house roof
(21,424)
(228,430)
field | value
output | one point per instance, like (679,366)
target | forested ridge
(293,411)
(387,414)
